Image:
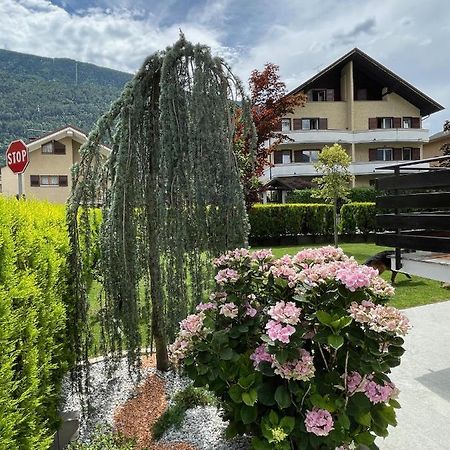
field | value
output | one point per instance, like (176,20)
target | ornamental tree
(170,198)
(269,104)
(298,349)
(334,183)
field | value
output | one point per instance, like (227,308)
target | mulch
(134,419)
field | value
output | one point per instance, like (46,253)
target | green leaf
(266,369)
(323,317)
(259,444)
(273,418)
(288,424)
(365,438)
(247,382)
(250,397)
(266,394)
(282,397)
(335,341)
(235,393)
(364,419)
(220,337)
(226,354)
(248,414)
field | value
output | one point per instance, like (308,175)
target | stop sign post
(17,159)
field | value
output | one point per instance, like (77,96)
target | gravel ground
(203,427)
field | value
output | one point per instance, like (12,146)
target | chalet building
(433,147)
(48,175)
(360,104)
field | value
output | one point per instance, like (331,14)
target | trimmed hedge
(274,220)
(33,274)
(357,194)
(358,217)
(271,220)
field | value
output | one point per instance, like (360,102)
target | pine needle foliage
(170,194)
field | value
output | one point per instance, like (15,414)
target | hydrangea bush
(298,349)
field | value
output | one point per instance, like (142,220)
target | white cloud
(408,39)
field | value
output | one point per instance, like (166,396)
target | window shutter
(398,154)
(34,180)
(298,155)
(323,124)
(278,157)
(297,124)
(372,154)
(397,122)
(309,95)
(373,123)
(330,95)
(59,148)
(415,122)
(415,153)
(63,180)
(278,126)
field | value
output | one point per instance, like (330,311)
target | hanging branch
(170,199)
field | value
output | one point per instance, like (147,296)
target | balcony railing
(420,207)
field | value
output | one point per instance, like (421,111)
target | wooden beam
(423,180)
(426,221)
(423,200)
(415,242)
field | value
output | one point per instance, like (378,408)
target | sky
(410,37)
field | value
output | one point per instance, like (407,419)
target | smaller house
(48,175)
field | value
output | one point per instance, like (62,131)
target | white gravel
(203,426)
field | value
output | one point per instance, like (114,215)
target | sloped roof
(288,183)
(381,74)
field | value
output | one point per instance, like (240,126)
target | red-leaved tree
(269,105)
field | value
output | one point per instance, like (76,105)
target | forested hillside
(42,94)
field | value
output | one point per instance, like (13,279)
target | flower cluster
(231,257)
(375,392)
(319,422)
(380,318)
(319,255)
(261,354)
(279,332)
(226,276)
(301,369)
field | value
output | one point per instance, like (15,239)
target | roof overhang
(287,183)
(382,75)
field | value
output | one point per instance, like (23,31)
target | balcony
(307,169)
(359,136)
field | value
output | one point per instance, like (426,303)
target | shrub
(363,194)
(297,349)
(33,250)
(301,196)
(104,439)
(358,217)
(290,219)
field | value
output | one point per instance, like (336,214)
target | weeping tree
(170,198)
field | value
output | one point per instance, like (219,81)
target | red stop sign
(17,156)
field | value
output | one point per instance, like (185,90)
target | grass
(408,293)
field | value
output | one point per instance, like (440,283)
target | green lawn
(408,293)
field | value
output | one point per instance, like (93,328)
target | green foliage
(42,94)
(363,194)
(33,359)
(358,217)
(282,340)
(167,207)
(290,219)
(357,194)
(181,402)
(104,439)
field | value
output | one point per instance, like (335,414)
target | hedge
(358,217)
(33,251)
(273,220)
(357,194)
(290,219)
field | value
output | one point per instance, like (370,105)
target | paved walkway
(424,382)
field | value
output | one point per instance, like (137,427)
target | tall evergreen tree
(170,193)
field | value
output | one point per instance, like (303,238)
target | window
(319,95)
(48,180)
(310,124)
(286,157)
(384,154)
(305,156)
(285,124)
(407,122)
(385,122)
(53,148)
(361,94)
(407,153)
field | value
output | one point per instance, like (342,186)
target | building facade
(48,175)
(360,104)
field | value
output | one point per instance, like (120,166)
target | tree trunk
(335,220)
(158,324)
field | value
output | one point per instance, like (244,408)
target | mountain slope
(42,94)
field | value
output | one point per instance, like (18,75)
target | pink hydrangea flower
(286,272)
(231,256)
(319,422)
(260,354)
(380,393)
(355,382)
(261,255)
(179,350)
(218,296)
(354,276)
(205,306)
(276,331)
(229,310)
(301,369)
(250,311)
(285,312)
(226,276)
(192,325)
(319,255)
